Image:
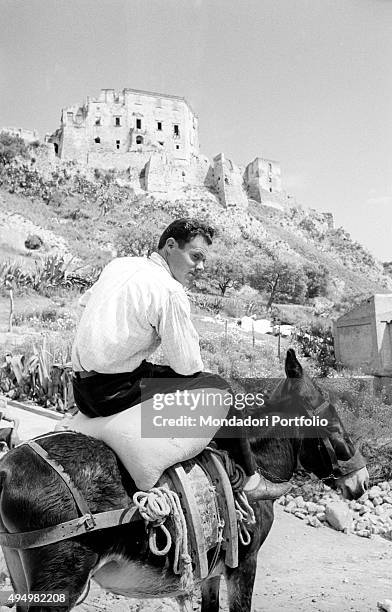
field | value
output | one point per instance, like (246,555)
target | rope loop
(155,506)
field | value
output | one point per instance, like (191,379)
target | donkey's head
(326,449)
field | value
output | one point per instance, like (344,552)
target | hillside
(87,215)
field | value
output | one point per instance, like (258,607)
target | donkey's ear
(293,367)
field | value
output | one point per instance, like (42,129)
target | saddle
(208,503)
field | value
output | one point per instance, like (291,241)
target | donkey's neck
(276,458)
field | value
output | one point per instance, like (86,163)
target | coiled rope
(154,507)
(237,477)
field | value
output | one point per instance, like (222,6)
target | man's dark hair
(184,230)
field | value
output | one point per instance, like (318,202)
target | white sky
(306,82)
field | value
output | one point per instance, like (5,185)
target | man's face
(185,262)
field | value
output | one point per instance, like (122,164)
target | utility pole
(277,323)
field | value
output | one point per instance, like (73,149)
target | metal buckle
(89,521)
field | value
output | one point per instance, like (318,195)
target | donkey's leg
(185,604)
(240,583)
(17,574)
(59,568)
(210,595)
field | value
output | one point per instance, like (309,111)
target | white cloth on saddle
(145,458)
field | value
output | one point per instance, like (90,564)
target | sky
(305,82)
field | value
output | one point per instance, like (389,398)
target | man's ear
(170,243)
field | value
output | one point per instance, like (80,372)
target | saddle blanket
(144,458)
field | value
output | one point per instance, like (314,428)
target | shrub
(48,319)
(11,147)
(51,272)
(317,343)
(42,372)
(209,303)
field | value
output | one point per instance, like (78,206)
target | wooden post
(253,333)
(226,331)
(279,339)
(11,316)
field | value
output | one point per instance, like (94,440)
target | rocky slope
(87,211)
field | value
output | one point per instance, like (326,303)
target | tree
(137,242)
(280,280)
(227,271)
(317,281)
(11,147)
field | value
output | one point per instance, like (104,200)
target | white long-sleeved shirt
(135,305)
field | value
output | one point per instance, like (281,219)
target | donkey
(119,559)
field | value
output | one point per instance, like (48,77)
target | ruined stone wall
(262,175)
(226,180)
(131,121)
(200,167)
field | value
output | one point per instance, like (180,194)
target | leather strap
(85,523)
(78,498)
(83,374)
(69,529)
(339,468)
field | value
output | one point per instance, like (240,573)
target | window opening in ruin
(117,121)
(139,140)
(177,146)
(97,139)
(98,121)
(138,124)
(117,144)
(159,126)
(176,129)
(270,189)
(70,116)
(270,167)
(56,148)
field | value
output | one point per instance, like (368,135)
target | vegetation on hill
(291,257)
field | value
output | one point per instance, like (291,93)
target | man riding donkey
(137,304)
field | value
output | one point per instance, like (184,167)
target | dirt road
(301,569)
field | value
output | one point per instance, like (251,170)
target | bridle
(339,468)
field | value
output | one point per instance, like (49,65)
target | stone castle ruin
(153,138)
(117,130)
